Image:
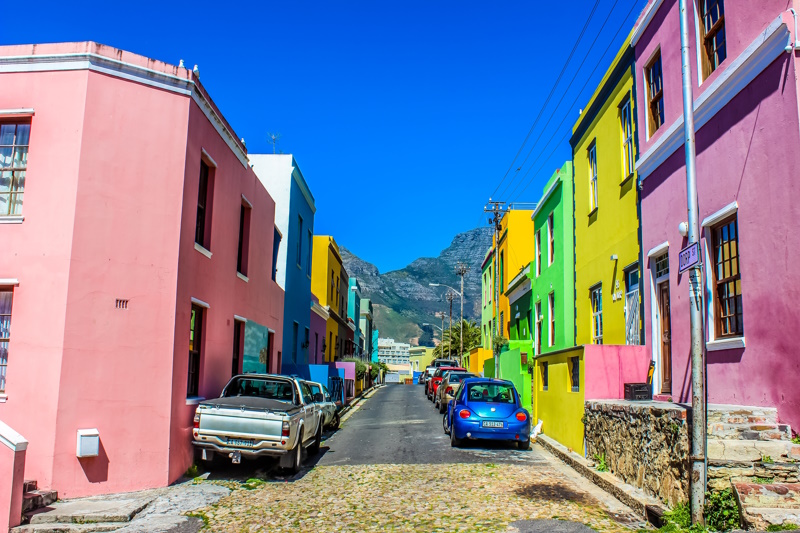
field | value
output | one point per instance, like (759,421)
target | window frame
(626,129)
(538,245)
(205,203)
(719,284)
(654,120)
(575,373)
(195,351)
(238,337)
(709,56)
(243,248)
(5,338)
(551,245)
(551,309)
(545,373)
(591,155)
(15,193)
(596,307)
(537,340)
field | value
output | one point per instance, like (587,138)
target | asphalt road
(398,425)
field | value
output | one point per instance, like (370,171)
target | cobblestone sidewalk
(413,498)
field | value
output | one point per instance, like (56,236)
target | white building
(393,353)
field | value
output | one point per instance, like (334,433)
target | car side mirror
(318,397)
(327,397)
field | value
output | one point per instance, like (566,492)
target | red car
(433,384)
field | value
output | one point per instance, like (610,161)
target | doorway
(666,338)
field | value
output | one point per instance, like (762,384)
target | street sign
(688,257)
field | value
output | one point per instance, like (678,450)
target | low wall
(12,471)
(512,369)
(610,366)
(558,405)
(646,444)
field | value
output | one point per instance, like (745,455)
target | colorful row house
(330,284)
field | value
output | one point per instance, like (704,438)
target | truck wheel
(314,448)
(297,456)
(334,425)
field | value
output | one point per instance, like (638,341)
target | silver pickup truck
(260,415)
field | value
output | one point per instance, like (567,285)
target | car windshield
(490,392)
(271,389)
(444,363)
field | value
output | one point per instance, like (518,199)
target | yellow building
(476,358)
(330,283)
(607,250)
(420,358)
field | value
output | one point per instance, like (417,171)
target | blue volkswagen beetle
(486,408)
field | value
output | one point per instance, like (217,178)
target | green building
(487,307)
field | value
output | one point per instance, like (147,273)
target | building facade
(294,218)
(607,252)
(391,352)
(150,299)
(747,126)
(366,326)
(329,283)
(487,299)
(354,316)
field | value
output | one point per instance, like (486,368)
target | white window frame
(538,243)
(592,157)
(626,119)
(550,239)
(537,339)
(7,288)
(596,289)
(551,326)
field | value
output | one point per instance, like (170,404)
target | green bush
(680,517)
(721,511)
(601,462)
(782,527)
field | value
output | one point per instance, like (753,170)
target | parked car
(260,415)
(437,378)
(448,386)
(444,362)
(485,408)
(427,375)
(330,411)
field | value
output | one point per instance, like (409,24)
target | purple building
(744,77)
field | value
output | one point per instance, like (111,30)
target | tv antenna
(273,138)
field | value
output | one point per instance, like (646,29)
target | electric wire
(580,92)
(552,91)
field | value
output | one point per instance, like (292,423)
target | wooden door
(666,343)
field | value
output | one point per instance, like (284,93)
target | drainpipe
(794,44)
(698,479)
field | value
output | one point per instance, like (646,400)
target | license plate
(241,442)
(492,424)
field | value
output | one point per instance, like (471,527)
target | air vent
(122,304)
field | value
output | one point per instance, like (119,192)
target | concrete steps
(747,431)
(762,505)
(740,414)
(84,515)
(33,498)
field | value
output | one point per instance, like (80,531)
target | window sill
(3,398)
(12,219)
(242,277)
(725,344)
(626,179)
(194,400)
(202,250)
(592,212)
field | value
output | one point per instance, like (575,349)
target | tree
(452,336)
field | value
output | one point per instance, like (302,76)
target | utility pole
(698,459)
(461,271)
(442,315)
(450,297)
(496,208)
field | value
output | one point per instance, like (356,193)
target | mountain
(403,299)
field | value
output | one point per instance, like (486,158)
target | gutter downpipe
(794,44)
(698,479)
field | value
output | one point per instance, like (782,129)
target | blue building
(354,314)
(294,219)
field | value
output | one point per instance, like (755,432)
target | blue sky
(403,116)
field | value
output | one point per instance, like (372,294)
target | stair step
(762,517)
(778,472)
(37,499)
(748,431)
(769,495)
(90,510)
(67,528)
(740,414)
(29,485)
(747,450)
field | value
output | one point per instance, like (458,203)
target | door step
(37,499)
(768,504)
(85,515)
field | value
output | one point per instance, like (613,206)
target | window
(539,320)
(307,342)
(728,282)
(300,241)
(276,244)
(538,245)
(551,309)
(238,326)
(551,236)
(632,305)
(5,333)
(501,271)
(530,325)
(712,17)
(308,252)
(575,373)
(662,266)
(205,193)
(244,240)
(545,375)
(330,346)
(597,314)
(14,140)
(502,324)
(592,156)
(295,327)
(626,124)
(655,94)
(333,284)
(195,346)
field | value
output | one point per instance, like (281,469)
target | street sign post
(688,257)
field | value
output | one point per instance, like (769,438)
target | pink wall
(12,472)
(609,367)
(746,153)
(349,370)
(109,212)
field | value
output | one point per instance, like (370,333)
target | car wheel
(444,425)
(334,425)
(455,442)
(314,448)
(297,456)
(442,407)
(524,444)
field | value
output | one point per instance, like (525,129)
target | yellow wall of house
(516,252)
(476,358)
(326,285)
(613,228)
(559,407)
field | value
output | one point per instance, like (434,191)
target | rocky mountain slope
(403,300)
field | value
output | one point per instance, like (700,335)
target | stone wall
(646,444)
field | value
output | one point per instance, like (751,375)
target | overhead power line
(552,91)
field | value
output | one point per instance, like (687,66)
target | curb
(646,506)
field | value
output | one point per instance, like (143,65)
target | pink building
(744,77)
(137,245)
